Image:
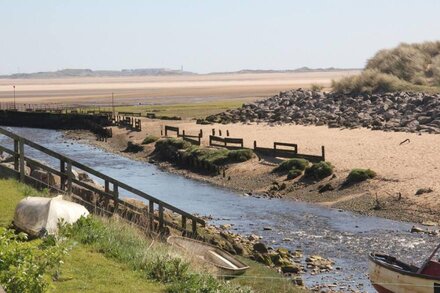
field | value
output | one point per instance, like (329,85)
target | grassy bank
(190,110)
(108,255)
(407,67)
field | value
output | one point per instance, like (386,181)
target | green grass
(294,173)
(285,166)
(189,110)
(359,175)
(11,192)
(85,270)
(319,171)
(150,139)
(108,255)
(265,280)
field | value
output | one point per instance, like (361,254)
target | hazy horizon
(206,36)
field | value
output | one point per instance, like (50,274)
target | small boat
(38,216)
(389,275)
(225,263)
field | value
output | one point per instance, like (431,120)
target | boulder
(260,248)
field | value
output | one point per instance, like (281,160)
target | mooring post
(22,173)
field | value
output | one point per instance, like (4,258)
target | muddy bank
(255,178)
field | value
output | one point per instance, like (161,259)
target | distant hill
(301,69)
(152,72)
(99,73)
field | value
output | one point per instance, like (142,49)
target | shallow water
(344,237)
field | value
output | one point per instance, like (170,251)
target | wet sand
(159,89)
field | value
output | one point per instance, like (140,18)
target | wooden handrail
(67,178)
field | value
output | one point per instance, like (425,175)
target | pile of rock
(401,111)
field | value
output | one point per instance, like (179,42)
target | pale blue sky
(206,36)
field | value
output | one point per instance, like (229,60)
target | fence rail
(227,142)
(112,187)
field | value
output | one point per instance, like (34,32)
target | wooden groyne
(111,191)
(65,121)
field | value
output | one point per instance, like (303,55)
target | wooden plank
(6,150)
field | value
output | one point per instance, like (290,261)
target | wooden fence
(226,142)
(135,114)
(292,152)
(172,129)
(129,122)
(193,139)
(112,187)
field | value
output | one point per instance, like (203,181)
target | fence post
(227,132)
(62,177)
(151,214)
(184,223)
(115,196)
(69,177)
(16,155)
(194,227)
(106,186)
(213,131)
(161,222)
(220,132)
(255,144)
(323,153)
(201,133)
(22,171)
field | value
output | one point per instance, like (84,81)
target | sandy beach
(159,89)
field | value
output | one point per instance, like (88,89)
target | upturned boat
(226,264)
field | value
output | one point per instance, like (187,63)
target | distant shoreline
(70,73)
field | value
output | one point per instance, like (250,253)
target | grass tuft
(359,175)
(150,139)
(299,164)
(319,171)
(294,173)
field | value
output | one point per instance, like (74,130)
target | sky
(205,35)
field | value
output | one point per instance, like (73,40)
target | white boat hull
(388,280)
